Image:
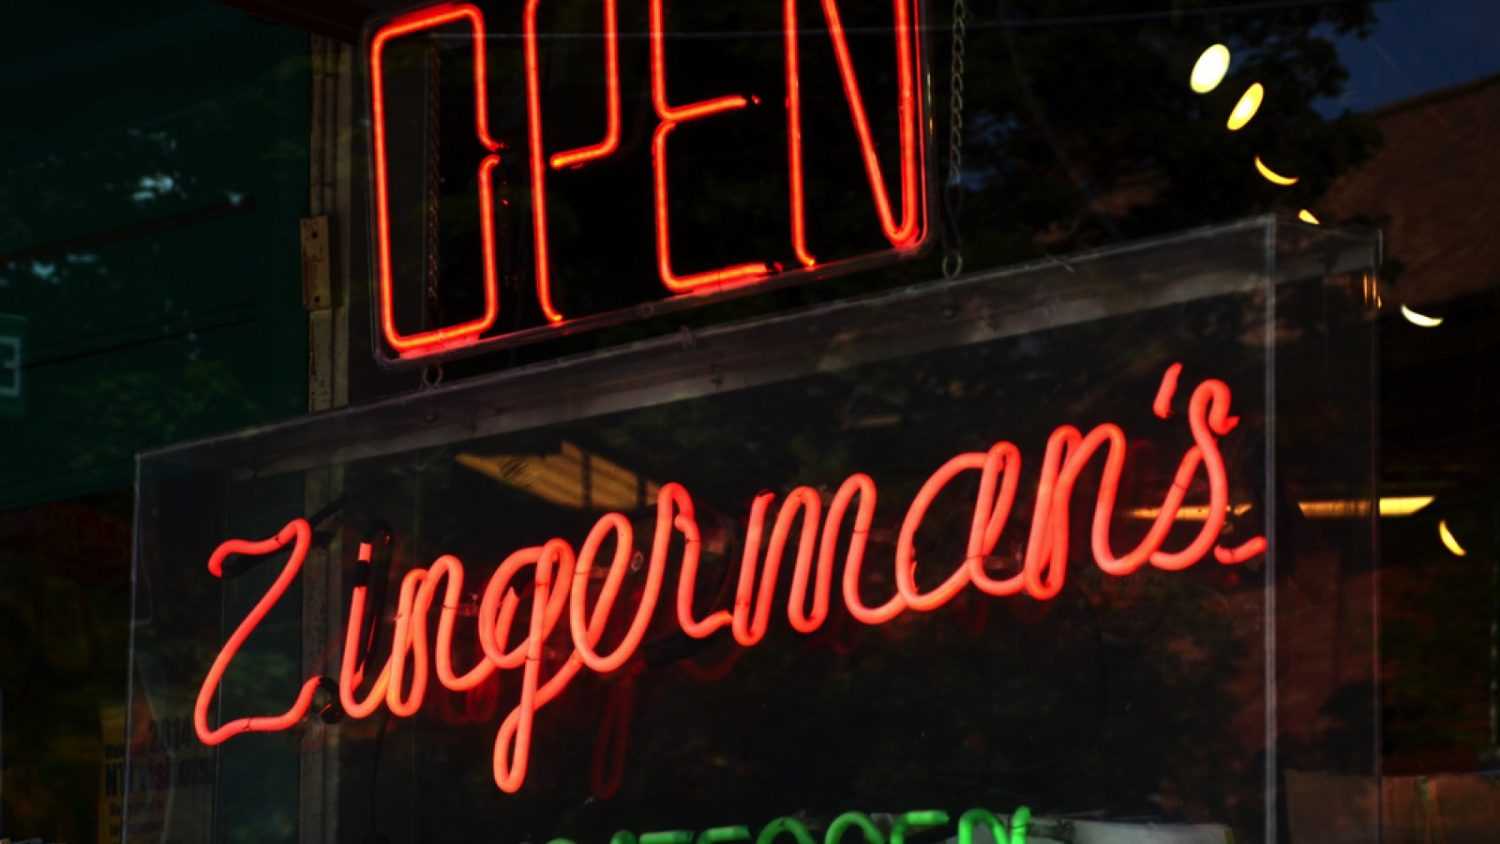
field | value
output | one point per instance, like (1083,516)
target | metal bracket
(317,269)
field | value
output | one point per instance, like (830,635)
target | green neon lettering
(777,827)
(721,834)
(840,824)
(972,818)
(925,819)
(838,829)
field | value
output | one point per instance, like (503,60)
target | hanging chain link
(956,116)
(433,228)
(953,257)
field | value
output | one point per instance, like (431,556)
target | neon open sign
(563,579)
(883,140)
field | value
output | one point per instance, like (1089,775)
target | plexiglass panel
(1093,538)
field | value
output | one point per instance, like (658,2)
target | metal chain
(433,232)
(953,257)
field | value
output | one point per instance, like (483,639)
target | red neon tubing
(794,133)
(438,338)
(862,485)
(673,497)
(585,634)
(410,639)
(351,674)
(568,159)
(299,534)
(1162,407)
(671,117)
(611,143)
(538,167)
(905,560)
(452,597)
(991,512)
(1208,414)
(748,630)
(561,581)
(711,673)
(1251,548)
(910,229)
(498,607)
(510,767)
(1219,422)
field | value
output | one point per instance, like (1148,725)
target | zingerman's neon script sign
(560,575)
(898,194)
(792,828)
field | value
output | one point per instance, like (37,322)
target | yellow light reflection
(1448,541)
(1210,68)
(571,478)
(1272,176)
(1420,320)
(1244,110)
(1306,216)
(1191,513)
(1403,505)
(1394,506)
(1372,290)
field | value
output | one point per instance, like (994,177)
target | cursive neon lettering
(352,671)
(299,533)
(749,630)
(906,564)
(562,580)
(864,487)
(1002,464)
(624,546)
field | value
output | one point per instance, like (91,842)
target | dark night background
(158,161)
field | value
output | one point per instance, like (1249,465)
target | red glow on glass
(908,230)
(607,765)
(561,581)
(671,117)
(436,339)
